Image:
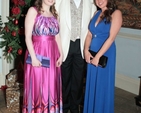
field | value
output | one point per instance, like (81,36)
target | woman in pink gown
(42,85)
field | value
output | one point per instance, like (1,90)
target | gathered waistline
(42,38)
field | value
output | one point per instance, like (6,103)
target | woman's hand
(95,61)
(59,61)
(36,63)
(88,56)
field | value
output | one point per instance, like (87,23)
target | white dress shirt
(77,3)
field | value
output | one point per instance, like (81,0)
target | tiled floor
(124,103)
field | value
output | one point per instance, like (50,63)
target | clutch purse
(102,61)
(44,60)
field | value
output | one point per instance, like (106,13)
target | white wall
(128,68)
(4,66)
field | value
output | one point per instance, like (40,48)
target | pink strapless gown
(43,86)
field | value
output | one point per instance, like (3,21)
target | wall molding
(129,36)
(127,83)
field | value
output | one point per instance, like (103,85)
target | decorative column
(4,66)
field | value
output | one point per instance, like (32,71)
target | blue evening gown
(100,82)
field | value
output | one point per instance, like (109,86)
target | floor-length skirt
(100,86)
(42,86)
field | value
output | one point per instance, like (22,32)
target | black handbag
(102,61)
(44,60)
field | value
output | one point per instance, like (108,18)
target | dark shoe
(80,109)
(65,111)
(74,111)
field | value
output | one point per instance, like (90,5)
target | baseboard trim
(127,83)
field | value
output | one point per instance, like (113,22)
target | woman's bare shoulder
(32,10)
(117,13)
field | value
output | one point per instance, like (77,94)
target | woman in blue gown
(100,82)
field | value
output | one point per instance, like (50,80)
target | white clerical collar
(77,2)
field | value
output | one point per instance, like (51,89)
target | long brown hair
(38,5)
(111,7)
